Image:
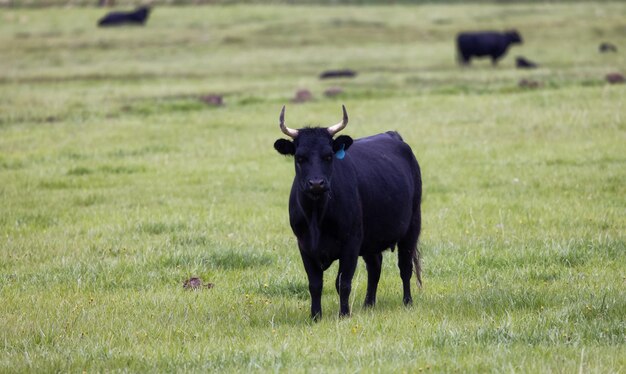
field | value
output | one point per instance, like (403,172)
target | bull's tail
(409,257)
(411,241)
(417,217)
(417,265)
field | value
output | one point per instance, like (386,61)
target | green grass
(117,184)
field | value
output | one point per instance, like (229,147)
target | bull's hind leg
(406,268)
(409,257)
(373,263)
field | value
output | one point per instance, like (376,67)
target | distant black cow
(346,73)
(523,63)
(136,17)
(485,43)
(353,198)
(607,47)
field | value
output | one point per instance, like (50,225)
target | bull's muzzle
(317,186)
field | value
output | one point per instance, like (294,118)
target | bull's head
(314,151)
(514,37)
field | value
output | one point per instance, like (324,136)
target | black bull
(485,43)
(350,199)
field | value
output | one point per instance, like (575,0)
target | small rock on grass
(333,91)
(614,78)
(195,283)
(528,83)
(214,100)
(302,96)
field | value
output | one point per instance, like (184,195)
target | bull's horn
(341,125)
(286,130)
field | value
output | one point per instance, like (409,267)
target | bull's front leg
(343,283)
(316,282)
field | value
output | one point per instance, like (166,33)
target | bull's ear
(342,142)
(285,147)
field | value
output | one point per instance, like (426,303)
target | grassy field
(117,184)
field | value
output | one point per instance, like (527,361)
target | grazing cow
(136,17)
(352,198)
(485,43)
(523,63)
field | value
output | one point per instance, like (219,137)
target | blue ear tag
(341,153)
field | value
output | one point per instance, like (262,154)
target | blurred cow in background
(485,43)
(136,17)
(607,47)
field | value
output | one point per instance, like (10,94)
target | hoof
(316,317)
(369,303)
